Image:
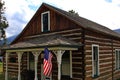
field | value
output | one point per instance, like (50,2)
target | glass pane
(31,63)
(45,22)
(95,51)
(116,59)
(65,64)
(119,60)
(95,56)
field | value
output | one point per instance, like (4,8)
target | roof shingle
(45,41)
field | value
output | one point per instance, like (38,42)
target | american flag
(47,64)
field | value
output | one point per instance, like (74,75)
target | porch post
(70,64)
(36,55)
(19,64)
(28,61)
(6,72)
(59,54)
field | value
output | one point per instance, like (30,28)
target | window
(95,60)
(12,59)
(31,61)
(45,21)
(66,66)
(117,59)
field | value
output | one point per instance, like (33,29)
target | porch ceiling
(53,42)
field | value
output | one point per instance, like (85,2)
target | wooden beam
(65,31)
(41,49)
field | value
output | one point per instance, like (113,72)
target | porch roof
(53,42)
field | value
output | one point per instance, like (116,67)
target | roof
(49,41)
(85,23)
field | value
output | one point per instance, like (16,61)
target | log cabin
(82,49)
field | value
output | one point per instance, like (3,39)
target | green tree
(3,21)
(73,12)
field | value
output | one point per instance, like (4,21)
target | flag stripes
(47,63)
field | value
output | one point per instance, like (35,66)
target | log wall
(106,56)
(77,56)
(12,66)
(116,45)
(82,59)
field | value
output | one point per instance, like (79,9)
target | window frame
(93,74)
(117,65)
(48,20)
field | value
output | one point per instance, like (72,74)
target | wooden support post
(70,64)
(19,63)
(59,54)
(36,55)
(28,61)
(6,72)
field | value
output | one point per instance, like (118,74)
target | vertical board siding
(57,23)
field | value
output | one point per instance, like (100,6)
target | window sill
(95,76)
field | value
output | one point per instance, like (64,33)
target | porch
(32,49)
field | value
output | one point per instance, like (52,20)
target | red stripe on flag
(47,65)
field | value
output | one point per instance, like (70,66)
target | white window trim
(48,20)
(117,67)
(94,45)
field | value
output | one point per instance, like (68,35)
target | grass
(1,71)
(2,76)
(1,67)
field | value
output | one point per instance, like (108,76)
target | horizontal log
(12,70)
(105,60)
(73,34)
(87,68)
(78,76)
(58,32)
(105,65)
(106,72)
(97,38)
(102,69)
(105,56)
(108,58)
(106,77)
(77,60)
(96,42)
(77,69)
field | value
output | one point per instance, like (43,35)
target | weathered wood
(82,58)
(105,55)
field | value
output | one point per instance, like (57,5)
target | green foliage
(1,67)
(73,12)
(2,77)
(1,71)
(3,21)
